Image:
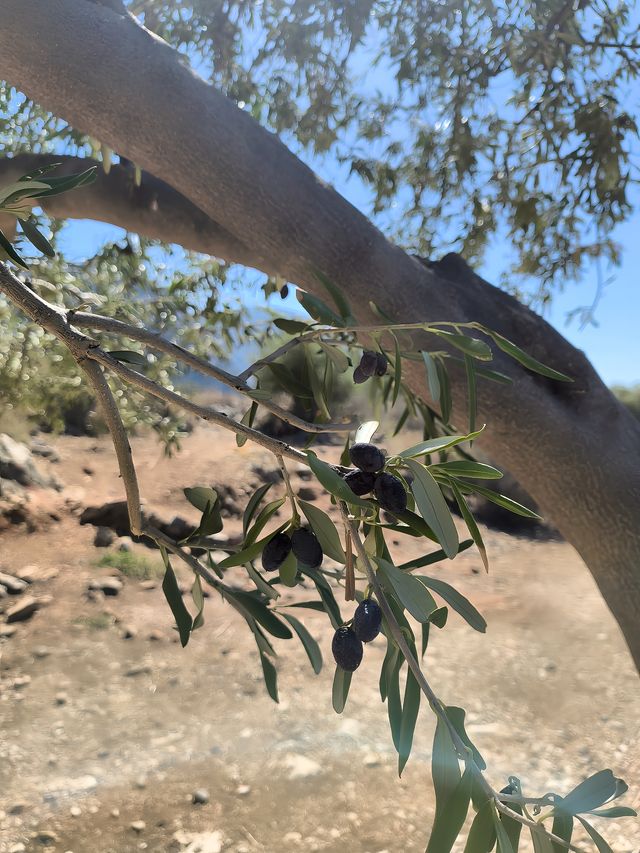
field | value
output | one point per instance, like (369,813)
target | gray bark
(573,447)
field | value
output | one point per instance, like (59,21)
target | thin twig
(87,320)
(287,483)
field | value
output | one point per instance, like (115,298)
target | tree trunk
(573,447)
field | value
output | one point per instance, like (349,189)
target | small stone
(125,543)
(156,635)
(141,783)
(292,838)
(301,767)
(17,808)
(140,669)
(45,837)
(200,797)
(34,574)
(138,826)
(23,609)
(104,537)
(21,681)
(75,811)
(129,632)
(61,698)
(12,584)
(41,652)
(17,848)
(371,760)
(307,493)
(7,631)
(243,790)
(115,812)
(150,584)
(108,586)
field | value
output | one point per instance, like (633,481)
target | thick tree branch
(154,209)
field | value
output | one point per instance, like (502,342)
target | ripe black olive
(367,620)
(275,552)
(366,457)
(390,493)
(347,649)
(381,364)
(307,548)
(360,482)
(358,376)
(368,362)
(284,291)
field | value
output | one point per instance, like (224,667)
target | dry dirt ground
(103,740)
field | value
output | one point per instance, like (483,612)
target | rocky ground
(115,739)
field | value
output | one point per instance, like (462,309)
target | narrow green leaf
(410,708)
(288,570)
(445,767)
(482,835)
(432,377)
(526,360)
(439,617)
(397,373)
(472,347)
(56,186)
(433,557)
(129,357)
(445,390)
(449,822)
(597,839)
(401,420)
(456,600)
(7,246)
(260,612)
(466,468)
(391,660)
(333,482)
(289,381)
(36,238)
(270,675)
(311,647)
(239,558)
(340,691)
(425,637)
(507,831)
(318,309)
(291,327)
(309,605)
(198,600)
(174,599)
(435,445)
(262,520)
(615,811)
(337,356)
(200,496)
(501,500)
(541,842)
(415,525)
(588,795)
(472,392)
(433,507)
(317,386)
(324,591)
(563,828)
(394,704)
(470,521)
(337,295)
(325,530)
(252,505)
(409,590)
(247,420)
(456,717)
(261,584)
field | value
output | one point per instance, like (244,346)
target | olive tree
(199,167)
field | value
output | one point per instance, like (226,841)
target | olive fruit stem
(464,753)
(295,516)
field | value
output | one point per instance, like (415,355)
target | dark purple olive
(381,364)
(347,649)
(275,552)
(367,457)
(390,493)
(307,548)
(358,376)
(367,620)
(284,291)
(368,362)
(360,482)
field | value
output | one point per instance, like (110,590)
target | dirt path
(98,732)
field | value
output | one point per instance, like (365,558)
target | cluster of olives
(371,364)
(347,640)
(389,490)
(304,544)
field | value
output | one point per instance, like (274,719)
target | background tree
(549,164)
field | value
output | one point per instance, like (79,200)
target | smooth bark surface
(574,448)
